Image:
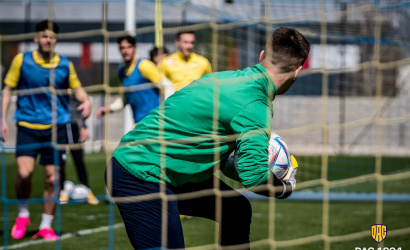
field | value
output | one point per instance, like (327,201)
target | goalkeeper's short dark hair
(287,49)
(130,39)
(47,25)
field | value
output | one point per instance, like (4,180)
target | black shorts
(31,142)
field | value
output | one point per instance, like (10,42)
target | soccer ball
(279,158)
(68,187)
(80,192)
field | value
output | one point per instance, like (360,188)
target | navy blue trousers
(143,220)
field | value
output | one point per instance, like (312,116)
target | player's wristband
(287,190)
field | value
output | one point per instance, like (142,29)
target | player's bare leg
(49,176)
(23,189)
(46,232)
(25,171)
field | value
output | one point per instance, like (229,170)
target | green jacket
(199,126)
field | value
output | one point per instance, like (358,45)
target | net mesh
(346,118)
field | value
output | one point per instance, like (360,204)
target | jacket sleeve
(150,71)
(252,125)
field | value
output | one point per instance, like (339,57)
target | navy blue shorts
(143,221)
(32,142)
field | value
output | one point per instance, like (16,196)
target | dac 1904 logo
(378,233)
(378,248)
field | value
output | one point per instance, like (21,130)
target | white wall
(298,120)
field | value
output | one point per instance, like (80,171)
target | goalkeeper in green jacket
(166,165)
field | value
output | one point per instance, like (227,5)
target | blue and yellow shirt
(30,72)
(182,72)
(144,99)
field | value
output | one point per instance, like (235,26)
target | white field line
(63,237)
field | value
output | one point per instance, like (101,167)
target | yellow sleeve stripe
(13,75)
(74,82)
(149,71)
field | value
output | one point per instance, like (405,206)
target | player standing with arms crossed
(179,145)
(33,71)
(184,66)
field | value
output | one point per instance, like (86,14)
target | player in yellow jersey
(35,74)
(184,66)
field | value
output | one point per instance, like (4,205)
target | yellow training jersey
(182,72)
(13,77)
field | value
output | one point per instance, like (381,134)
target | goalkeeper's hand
(293,171)
(289,181)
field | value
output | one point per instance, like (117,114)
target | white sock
(46,221)
(23,210)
